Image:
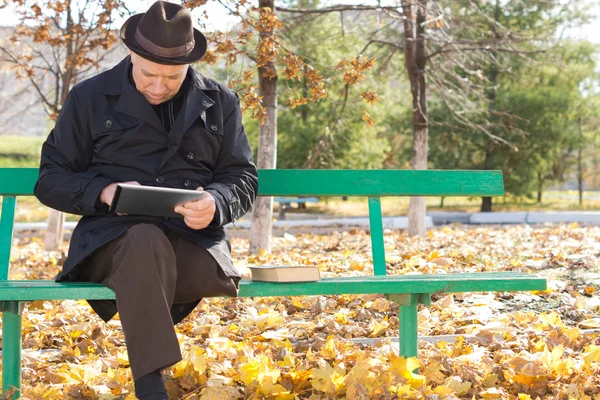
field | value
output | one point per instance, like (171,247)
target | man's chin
(154,102)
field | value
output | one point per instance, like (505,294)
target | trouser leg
(143,276)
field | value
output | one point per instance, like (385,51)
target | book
(285,274)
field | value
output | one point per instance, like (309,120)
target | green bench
(407,290)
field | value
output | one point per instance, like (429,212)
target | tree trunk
(262,215)
(56,219)
(415,60)
(540,188)
(55,232)
(442,202)
(580,165)
(486,204)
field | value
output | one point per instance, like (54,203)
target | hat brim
(128,37)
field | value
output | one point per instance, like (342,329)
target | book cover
(285,274)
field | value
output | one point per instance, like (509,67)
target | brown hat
(164,34)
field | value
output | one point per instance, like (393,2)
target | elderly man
(151,120)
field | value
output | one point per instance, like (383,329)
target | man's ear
(133,55)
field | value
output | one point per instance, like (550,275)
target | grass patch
(20,151)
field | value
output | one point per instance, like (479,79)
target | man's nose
(158,87)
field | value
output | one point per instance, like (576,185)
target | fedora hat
(164,34)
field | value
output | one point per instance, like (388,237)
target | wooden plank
(17,181)
(7,218)
(293,182)
(390,284)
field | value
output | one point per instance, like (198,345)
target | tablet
(151,200)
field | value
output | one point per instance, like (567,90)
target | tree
(59,42)
(262,215)
(541,104)
(271,55)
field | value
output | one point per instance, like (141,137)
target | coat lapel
(194,106)
(131,102)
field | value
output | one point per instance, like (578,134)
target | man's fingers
(192,212)
(199,205)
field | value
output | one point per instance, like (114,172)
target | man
(151,120)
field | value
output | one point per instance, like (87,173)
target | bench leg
(11,349)
(408,331)
(408,320)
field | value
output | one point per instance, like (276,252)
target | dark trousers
(151,272)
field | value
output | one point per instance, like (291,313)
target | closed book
(285,274)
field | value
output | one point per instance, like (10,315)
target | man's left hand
(199,213)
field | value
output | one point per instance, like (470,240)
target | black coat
(108,132)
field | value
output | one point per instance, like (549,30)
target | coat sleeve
(235,179)
(64,183)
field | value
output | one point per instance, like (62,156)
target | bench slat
(295,182)
(379,183)
(18,181)
(390,284)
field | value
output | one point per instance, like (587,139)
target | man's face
(157,82)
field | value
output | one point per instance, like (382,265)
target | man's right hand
(108,193)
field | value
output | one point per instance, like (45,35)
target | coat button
(77,189)
(190,155)
(77,208)
(160,179)
(164,218)
(108,124)
(187,182)
(214,128)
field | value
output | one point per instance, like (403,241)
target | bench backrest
(373,184)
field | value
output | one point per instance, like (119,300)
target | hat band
(167,52)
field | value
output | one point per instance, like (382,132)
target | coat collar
(132,102)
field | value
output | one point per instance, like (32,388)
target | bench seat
(390,284)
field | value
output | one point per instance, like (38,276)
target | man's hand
(198,214)
(108,193)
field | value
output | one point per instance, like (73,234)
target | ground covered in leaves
(507,345)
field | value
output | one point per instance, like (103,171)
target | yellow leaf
(443,390)
(122,358)
(341,318)
(492,393)
(329,351)
(405,391)
(589,290)
(199,361)
(490,380)
(379,327)
(456,384)
(524,396)
(269,388)
(327,379)
(251,371)
(591,354)
(405,366)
